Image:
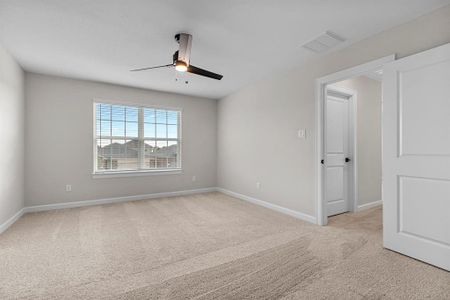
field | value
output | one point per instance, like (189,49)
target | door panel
(336,149)
(420,117)
(336,124)
(413,191)
(416,156)
(336,193)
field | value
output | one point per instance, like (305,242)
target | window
(136,138)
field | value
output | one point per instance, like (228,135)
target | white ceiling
(243,40)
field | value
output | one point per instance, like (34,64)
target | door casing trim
(321,83)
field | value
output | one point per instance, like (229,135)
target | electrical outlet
(258,185)
(194,178)
(68,187)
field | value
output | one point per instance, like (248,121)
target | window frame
(136,172)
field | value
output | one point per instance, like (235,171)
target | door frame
(352,174)
(321,83)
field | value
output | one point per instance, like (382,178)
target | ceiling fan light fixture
(180,66)
(181,61)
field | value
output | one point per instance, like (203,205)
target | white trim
(46,207)
(321,83)
(287,211)
(137,103)
(369,205)
(357,70)
(121,174)
(374,76)
(11,220)
(37,208)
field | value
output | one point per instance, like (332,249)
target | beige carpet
(207,246)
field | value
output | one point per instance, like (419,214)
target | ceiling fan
(181,59)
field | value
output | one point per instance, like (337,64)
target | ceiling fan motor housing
(185,43)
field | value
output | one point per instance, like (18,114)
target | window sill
(136,173)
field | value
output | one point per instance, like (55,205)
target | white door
(416,156)
(337,149)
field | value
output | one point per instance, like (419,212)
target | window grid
(164,151)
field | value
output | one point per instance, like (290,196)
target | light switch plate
(301,133)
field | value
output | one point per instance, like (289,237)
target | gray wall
(12,123)
(368,145)
(59,136)
(257,125)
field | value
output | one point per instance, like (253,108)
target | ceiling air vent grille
(324,42)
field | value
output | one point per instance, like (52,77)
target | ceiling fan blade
(149,68)
(194,70)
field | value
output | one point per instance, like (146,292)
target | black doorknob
(347,159)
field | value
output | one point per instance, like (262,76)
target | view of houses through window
(135,138)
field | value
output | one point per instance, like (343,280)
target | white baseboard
(29,209)
(11,220)
(370,205)
(287,211)
(37,208)
(46,207)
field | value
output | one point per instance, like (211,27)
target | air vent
(324,42)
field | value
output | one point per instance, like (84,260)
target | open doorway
(349,106)
(415,145)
